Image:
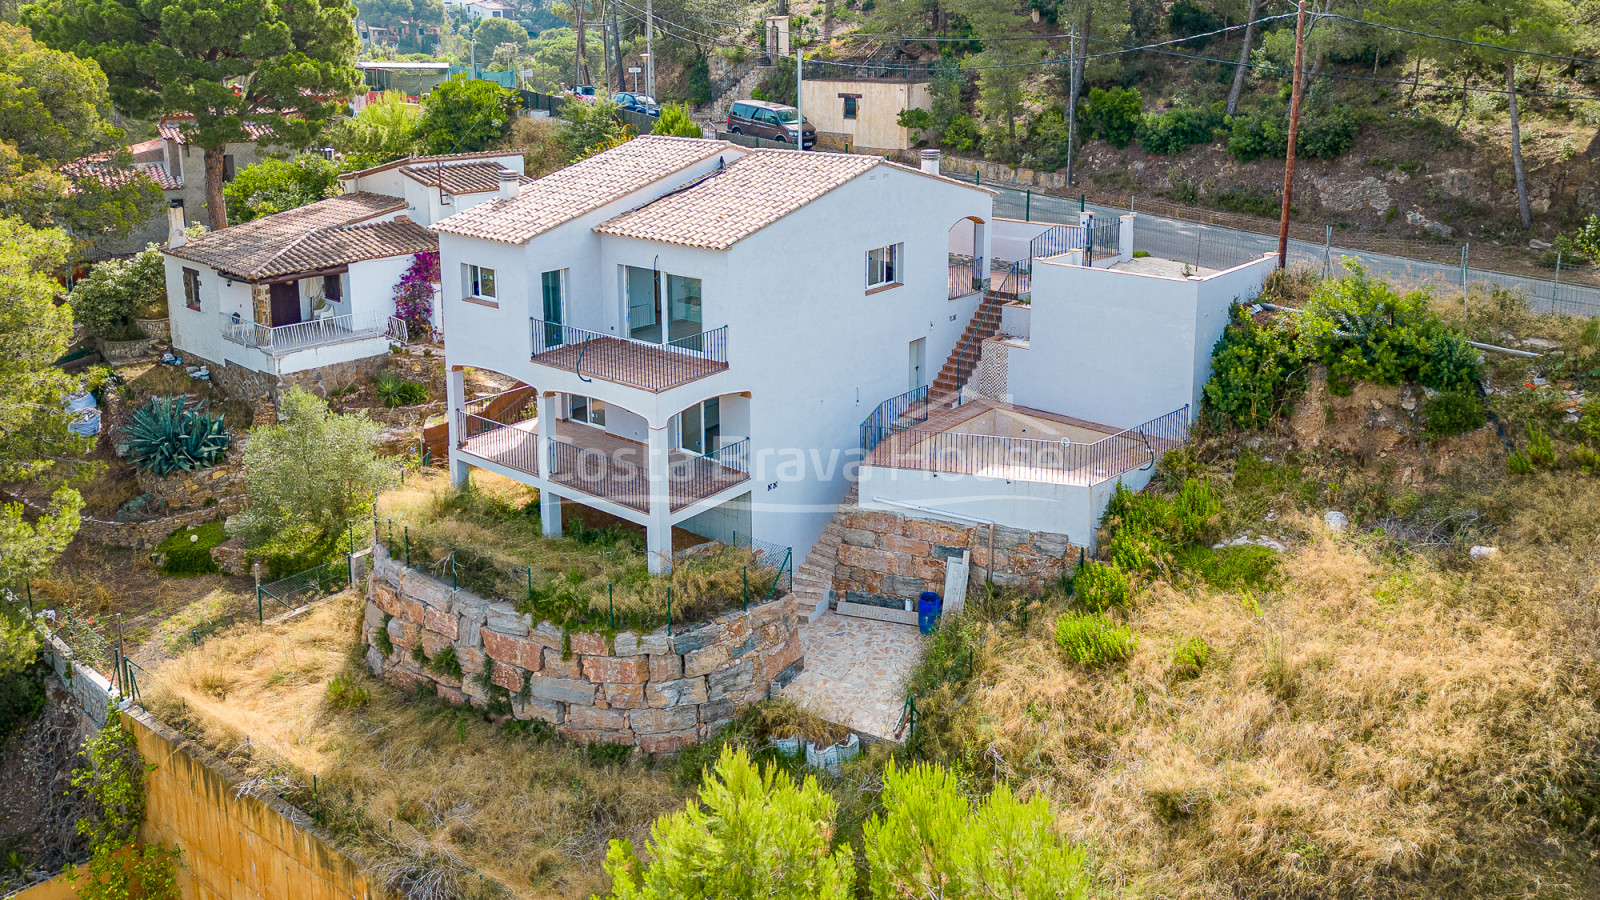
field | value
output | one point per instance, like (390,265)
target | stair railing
(961,377)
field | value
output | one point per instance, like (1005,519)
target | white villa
(307,295)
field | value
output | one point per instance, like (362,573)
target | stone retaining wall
(160,329)
(885,557)
(657,691)
(143,535)
(191,490)
(116,353)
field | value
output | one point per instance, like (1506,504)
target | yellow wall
(876,125)
(57,888)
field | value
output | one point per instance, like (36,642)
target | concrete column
(1125,238)
(455,389)
(549,503)
(658,533)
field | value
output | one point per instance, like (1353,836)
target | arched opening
(969,268)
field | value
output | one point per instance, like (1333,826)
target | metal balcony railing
(639,364)
(627,480)
(699,477)
(282,339)
(499,442)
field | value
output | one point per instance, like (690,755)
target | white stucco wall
(1121,348)
(1012,237)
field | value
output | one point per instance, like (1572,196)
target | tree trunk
(1079,63)
(216,204)
(1244,60)
(1462,112)
(616,50)
(1416,79)
(580,71)
(1523,210)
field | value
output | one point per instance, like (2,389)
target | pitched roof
(320,235)
(172,130)
(747,196)
(461,178)
(583,187)
(418,160)
(102,167)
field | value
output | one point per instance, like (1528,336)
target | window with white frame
(883,266)
(191,288)
(478,280)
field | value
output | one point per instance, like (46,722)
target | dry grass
(461,796)
(1378,724)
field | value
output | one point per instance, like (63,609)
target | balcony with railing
(601,464)
(280,340)
(998,440)
(634,363)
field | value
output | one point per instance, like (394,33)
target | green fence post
(611,607)
(28,585)
(406,533)
(530,586)
(1027,206)
(669,610)
(260,617)
(746,588)
(453,582)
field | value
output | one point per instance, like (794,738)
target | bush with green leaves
(274,185)
(22,670)
(1365,331)
(1243,567)
(1178,129)
(1101,586)
(464,116)
(1114,115)
(1453,412)
(113,778)
(1325,133)
(592,128)
(931,841)
(170,434)
(1256,370)
(117,291)
(1189,659)
(187,551)
(1092,641)
(675,120)
(754,832)
(394,391)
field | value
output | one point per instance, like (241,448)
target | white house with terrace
(307,295)
(704,326)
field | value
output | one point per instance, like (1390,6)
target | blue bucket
(928,608)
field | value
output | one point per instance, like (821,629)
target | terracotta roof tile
(409,161)
(103,169)
(583,187)
(747,196)
(320,235)
(461,178)
(173,130)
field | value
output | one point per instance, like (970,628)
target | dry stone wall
(190,490)
(657,691)
(885,558)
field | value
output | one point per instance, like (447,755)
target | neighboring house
(303,296)
(307,295)
(705,326)
(405,31)
(863,114)
(414,79)
(483,9)
(174,164)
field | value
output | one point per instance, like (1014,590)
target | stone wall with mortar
(885,558)
(145,534)
(657,691)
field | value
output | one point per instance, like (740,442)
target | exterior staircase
(718,111)
(963,360)
(813,580)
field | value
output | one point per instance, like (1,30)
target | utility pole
(579,72)
(649,48)
(1294,134)
(799,99)
(1072,100)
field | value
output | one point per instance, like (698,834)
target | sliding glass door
(644,322)
(657,299)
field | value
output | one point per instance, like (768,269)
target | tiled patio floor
(855,671)
(631,363)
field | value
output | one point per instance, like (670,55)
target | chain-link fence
(300,589)
(1217,247)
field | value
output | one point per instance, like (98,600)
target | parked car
(772,121)
(585,92)
(639,103)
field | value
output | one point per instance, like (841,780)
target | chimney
(930,162)
(175,224)
(510,184)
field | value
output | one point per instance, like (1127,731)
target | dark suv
(772,121)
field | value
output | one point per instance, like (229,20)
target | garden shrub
(1255,371)
(1114,115)
(344,693)
(1189,659)
(1101,586)
(413,295)
(170,435)
(1197,510)
(1453,412)
(1365,331)
(1327,134)
(116,292)
(1176,130)
(1584,459)
(1243,567)
(22,671)
(187,551)
(1092,641)
(1257,137)
(395,391)
(698,81)
(445,663)
(1541,450)
(1324,134)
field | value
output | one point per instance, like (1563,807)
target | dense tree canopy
(274,185)
(464,116)
(281,68)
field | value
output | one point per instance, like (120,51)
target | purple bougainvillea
(413,296)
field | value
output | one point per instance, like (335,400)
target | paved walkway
(855,671)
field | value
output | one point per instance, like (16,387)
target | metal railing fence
(894,414)
(1028,458)
(636,363)
(698,477)
(280,339)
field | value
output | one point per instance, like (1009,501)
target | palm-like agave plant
(169,435)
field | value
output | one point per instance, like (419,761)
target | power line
(1464,41)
